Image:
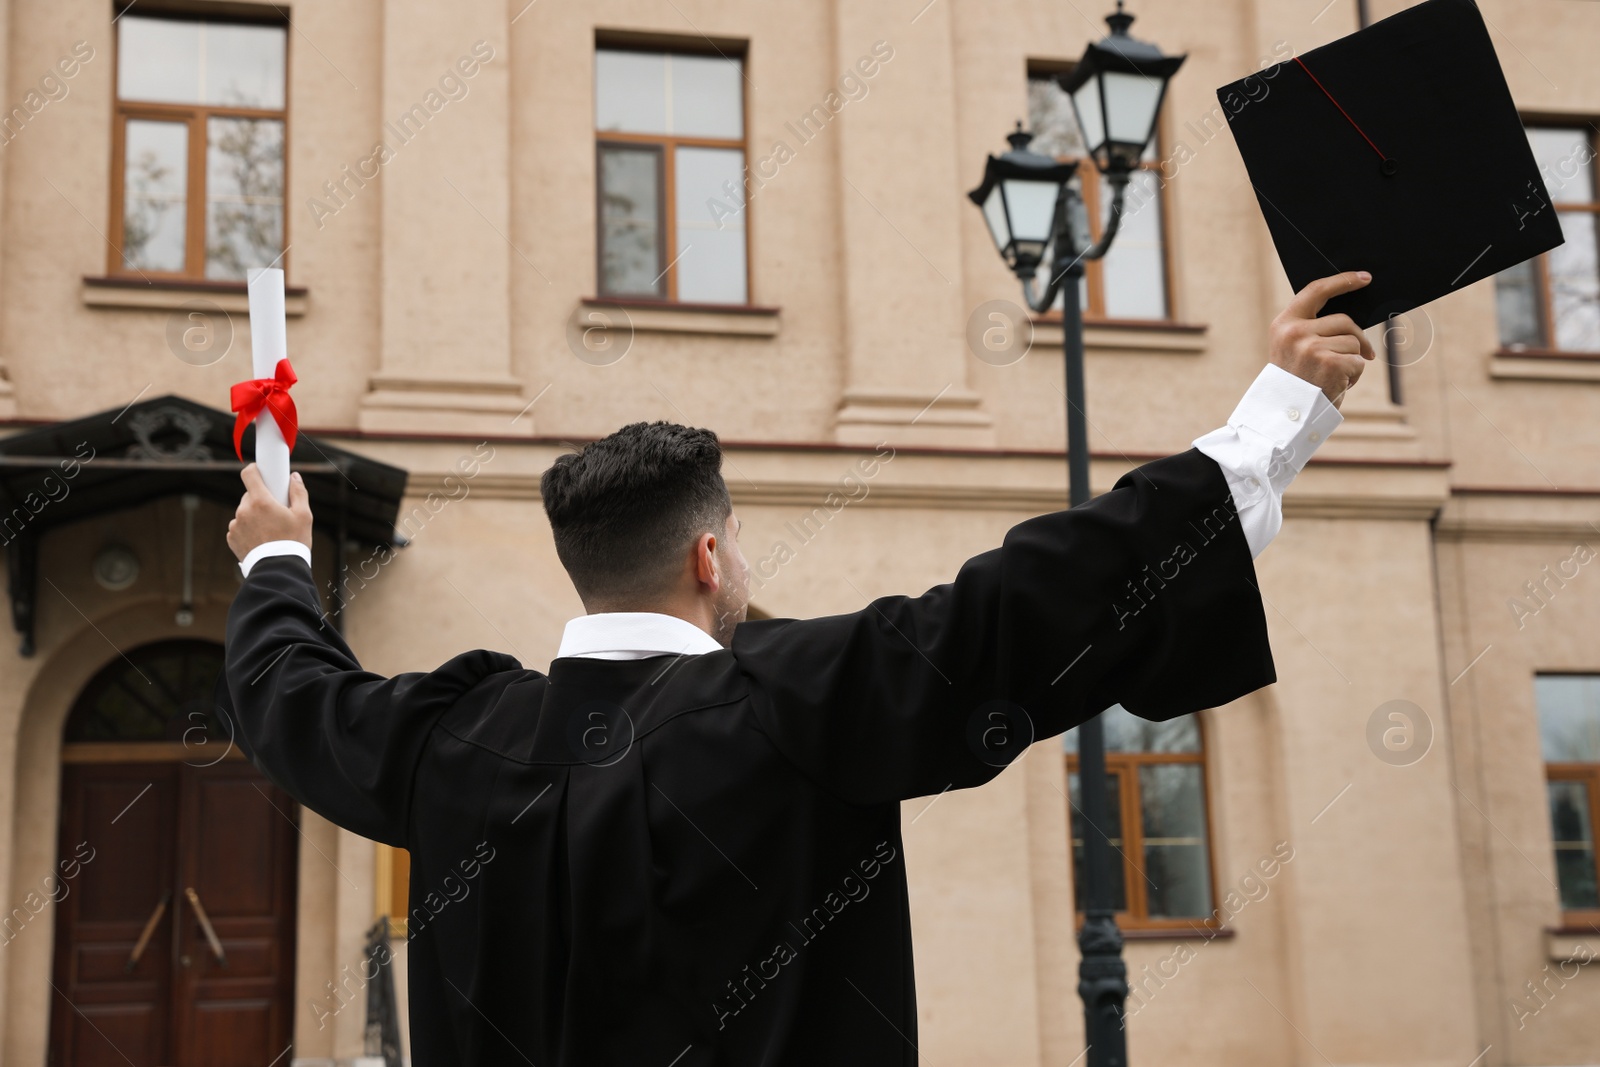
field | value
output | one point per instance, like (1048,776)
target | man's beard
(731,610)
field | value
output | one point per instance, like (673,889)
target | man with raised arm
(681,843)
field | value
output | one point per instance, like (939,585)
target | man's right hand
(1329,352)
(261,518)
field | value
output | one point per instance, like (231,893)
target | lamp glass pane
(1031,206)
(994,213)
(1131,103)
(1086,99)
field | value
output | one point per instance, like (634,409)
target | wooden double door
(175,937)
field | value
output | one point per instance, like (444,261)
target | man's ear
(705,558)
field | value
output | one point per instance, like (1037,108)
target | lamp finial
(1119,21)
(1019,138)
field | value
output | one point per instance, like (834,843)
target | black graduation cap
(1395,150)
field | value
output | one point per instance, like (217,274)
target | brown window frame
(666,146)
(197,117)
(1546,304)
(1094,311)
(1589,775)
(1125,765)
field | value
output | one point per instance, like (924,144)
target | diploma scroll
(268,344)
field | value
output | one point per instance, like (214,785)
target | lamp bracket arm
(1039,302)
(1119,188)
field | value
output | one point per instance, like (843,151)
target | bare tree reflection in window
(155,188)
(630,221)
(244,195)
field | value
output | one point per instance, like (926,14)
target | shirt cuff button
(1294,414)
(1315,437)
(1254,483)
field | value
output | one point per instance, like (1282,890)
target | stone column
(1375,937)
(904,321)
(446,231)
(8,397)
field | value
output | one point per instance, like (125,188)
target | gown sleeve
(1145,596)
(342,741)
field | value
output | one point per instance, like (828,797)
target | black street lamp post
(1030,205)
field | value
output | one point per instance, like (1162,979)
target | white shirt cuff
(274,548)
(1281,420)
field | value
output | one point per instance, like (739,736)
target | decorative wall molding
(652,317)
(1021,485)
(403,403)
(140,295)
(1122,338)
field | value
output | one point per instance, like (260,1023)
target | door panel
(119,817)
(239,857)
(231,1032)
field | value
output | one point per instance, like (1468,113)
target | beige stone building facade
(508,225)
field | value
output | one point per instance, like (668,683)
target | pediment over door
(63,472)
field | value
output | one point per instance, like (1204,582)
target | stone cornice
(1507,515)
(1021,485)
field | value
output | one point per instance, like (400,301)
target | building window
(1156,796)
(1553,302)
(669,164)
(198,160)
(1131,282)
(1569,734)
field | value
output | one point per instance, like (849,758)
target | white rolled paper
(269,342)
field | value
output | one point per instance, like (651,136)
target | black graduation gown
(696,860)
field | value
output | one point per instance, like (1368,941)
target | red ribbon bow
(249,398)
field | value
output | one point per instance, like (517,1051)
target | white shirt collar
(633,635)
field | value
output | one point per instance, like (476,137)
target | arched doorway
(176,877)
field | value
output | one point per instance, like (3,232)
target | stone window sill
(1198,931)
(656,316)
(1126,335)
(1544,364)
(1567,942)
(170,295)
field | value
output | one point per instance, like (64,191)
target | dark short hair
(625,508)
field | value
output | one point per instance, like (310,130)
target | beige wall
(1418,899)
